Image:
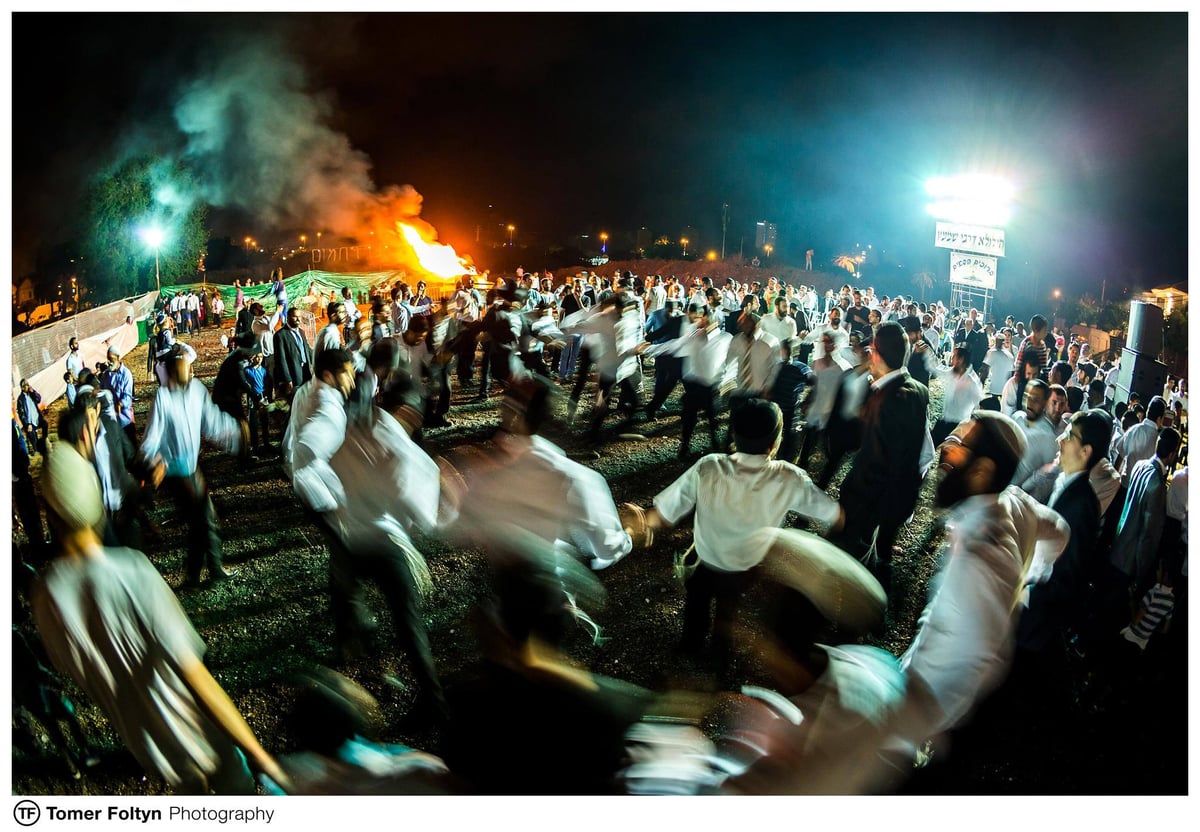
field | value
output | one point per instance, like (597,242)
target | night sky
(566,124)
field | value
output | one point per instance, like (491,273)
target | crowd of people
(1064,502)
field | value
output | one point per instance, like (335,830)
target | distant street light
(769,248)
(511,229)
(303,240)
(603,242)
(683,241)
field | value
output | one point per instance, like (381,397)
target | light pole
(511,229)
(768,248)
(604,242)
(683,241)
(154,237)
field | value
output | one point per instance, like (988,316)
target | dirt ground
(273,620)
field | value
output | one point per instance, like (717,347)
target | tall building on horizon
(764,234)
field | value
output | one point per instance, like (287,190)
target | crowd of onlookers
(1064,501)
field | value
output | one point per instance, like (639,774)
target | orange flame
(437,259)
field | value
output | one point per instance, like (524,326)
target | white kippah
(71,488)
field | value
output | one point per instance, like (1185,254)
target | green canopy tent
(298,286)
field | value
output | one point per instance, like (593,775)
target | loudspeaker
(1145,328)
(1140,374)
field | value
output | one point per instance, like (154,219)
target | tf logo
(27,813)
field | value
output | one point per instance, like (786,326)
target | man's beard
(952,489)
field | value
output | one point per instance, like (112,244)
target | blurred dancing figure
(182,413)
(529,484)
(110,622)
(1001,541)
(392,493)
(731,494)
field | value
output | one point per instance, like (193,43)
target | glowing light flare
(435,258)
(970,212)
(975,199)
(152,236)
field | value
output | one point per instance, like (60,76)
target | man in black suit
(880,492)
(663,325)
(970,331)
(293,356)
(1061,601)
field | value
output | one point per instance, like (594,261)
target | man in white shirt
(330,336)
(1000,542)
(316,429)
(831,371)
(529,487)
(779,324)
(465,306)
(656,296)
(962,393)
(392,493)
(1138,442)
(108,620)
(703,347)
(74,360)
(181,414)
(1040,438)
(753,357)
(1000,362)
(730,495)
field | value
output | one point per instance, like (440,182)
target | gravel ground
(273,620)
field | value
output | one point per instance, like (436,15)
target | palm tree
(923,281)
(849,262)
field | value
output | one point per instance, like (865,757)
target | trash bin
(143,334)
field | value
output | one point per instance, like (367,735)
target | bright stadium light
(153,237)
(974,199)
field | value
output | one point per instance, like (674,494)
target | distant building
(764,234)
(1167,296)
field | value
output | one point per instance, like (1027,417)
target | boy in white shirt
(733,495)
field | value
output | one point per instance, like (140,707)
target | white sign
(973,270)
(976,238)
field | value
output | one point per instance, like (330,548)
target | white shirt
(178,419)
(1137,444)
(782,329)
(1001,362)
(264,330)
(657,299)
(74,363)
(757,359)
(533,487)
(329,338)
(702,350)
(999,544)
(829,378)
(1008,397)
(962,393)
(1042,445)
(392,487)
(735,494)
(885,378)
(315,431)
(1177,495)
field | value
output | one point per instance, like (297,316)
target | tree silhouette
(923,281)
